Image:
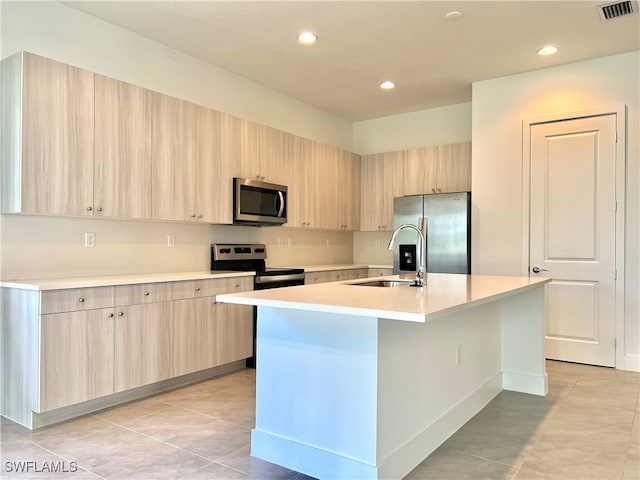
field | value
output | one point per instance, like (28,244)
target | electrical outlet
(171,240)
(328,244)
(377,243)
(458,355)
(89,239)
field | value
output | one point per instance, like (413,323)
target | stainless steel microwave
(259,203)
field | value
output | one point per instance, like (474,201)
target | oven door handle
(281,198)
(279,278)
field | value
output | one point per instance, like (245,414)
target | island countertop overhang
(443,294)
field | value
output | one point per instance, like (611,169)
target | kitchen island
(358,382)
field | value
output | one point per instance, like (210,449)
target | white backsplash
(47,247)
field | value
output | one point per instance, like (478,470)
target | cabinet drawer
(143,293)
(380,272)
(57,301)
(208,288)
(238,284)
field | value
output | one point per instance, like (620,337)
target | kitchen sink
(383,283)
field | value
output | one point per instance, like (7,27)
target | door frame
(620,110)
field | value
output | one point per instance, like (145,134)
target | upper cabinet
(454,168)
(188,174)
(437,169)
(79,143)
(381,181)
(47,137)
(122,176)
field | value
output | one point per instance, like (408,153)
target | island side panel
(523,354)
(316,402)
(427,391)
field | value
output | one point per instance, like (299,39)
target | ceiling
(433,60)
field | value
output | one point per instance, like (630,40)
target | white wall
(499,108)
(442,125)
(35,247)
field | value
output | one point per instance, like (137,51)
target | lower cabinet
(335,275)
(68,346)
(143,345)
(77,358)
(234,333)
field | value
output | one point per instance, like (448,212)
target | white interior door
(572,237)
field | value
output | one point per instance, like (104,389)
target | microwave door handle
(281,197)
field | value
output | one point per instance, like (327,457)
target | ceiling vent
(613,10)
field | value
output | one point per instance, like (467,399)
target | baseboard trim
(631,363)
(526,383)
(39,420)
(324,464)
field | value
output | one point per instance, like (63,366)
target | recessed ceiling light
(453,15)
(548,50)
(387,85)
(307,37)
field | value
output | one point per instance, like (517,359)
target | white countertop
(442,294)
(109,280)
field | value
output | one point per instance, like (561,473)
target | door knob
(538,270)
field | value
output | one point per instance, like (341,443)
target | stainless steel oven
(259,203)
(252,258)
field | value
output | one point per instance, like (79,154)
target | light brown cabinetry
(234,325)
(334,275)
(379,272)
(79,143)
(187,165)
(297,153)
(68,346)
(122,174)
(76,361)
(47,135)
(381,181)
(437,169)
(454,168)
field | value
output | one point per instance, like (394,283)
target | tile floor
(586,428)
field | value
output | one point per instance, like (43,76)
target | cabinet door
(301,189)
(213,179)
(57,138)
(143,345)
(77,357)
(326,186)
(234,326)
(234,333)
(420,171)
(393,179)
(454,168)
(371,181)
(122,183)
(174,159)
(187,331)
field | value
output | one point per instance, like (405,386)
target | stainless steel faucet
(422,251)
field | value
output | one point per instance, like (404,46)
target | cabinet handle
(193,215)
(110,315)
(81,300)
(99,209)
(121,314)
(237,285)
(199,216)
(89,209)
(146,294)
(197,289)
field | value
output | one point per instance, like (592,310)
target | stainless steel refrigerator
(445,219)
